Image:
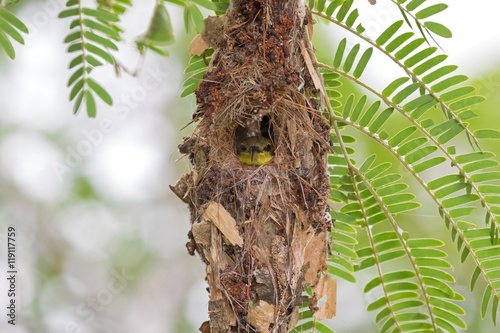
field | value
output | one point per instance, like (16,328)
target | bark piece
(219,216)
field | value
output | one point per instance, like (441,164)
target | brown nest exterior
(262,231)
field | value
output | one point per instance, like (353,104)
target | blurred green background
(100,235)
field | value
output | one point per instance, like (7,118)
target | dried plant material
(198,46)
(307,161)
(202,233)
(219,216)
(315,254)
(260,253)
(292,131)
(294,318)
(310,67)
(300,216)
(260,81)
(181,188)
(205,327)
(261,316)
(310,24)
(214,26)
(280,254)
(221,315)
(326,287)
(292,136)
(309,253)
(220,312)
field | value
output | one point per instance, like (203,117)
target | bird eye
(267,147)
(242,148)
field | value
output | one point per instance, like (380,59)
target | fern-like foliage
(10,28)
(412,296)
(413,9)
(375,199)
(92,36)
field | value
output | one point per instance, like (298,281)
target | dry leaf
(309,253)
(198,46)
(221,218)
(261,316)
(326,287)
(315,253)
(205,327)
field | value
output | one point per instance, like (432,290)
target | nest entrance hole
(260,125)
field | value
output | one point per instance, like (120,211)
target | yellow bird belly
(258,158)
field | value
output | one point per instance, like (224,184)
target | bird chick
(255,150)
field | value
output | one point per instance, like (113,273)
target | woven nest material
(260,230)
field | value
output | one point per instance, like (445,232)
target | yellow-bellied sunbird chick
(255,150)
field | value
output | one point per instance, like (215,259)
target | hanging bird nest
(261,230)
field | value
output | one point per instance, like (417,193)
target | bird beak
(252,152)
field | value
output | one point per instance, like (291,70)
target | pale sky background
(137,222)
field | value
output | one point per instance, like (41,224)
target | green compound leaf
(91,36)
(13,20)
(100,91)
(7,46)
(344,10)
(413,4)
(91,107)
(410,47)
(351,57)
(9,26)
(398,41)
(432,10)
(487,134)
(101,15)
(363,62)
(485,301)
(9,30)
(438,29)
(388,33)
(389,90)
